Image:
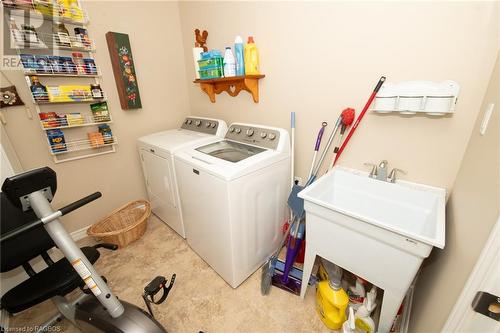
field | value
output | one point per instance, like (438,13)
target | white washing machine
(233,195)
(156,151)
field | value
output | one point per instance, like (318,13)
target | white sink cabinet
(377,230)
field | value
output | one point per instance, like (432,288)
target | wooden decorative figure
(122,62)
(201,39)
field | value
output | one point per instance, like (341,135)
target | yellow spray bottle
(251,56)
(331,299)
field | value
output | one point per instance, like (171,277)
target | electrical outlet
(297,180)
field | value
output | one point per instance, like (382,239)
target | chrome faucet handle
(373,173)
(383,164)
(392,175)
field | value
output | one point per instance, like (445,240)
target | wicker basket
(124,225)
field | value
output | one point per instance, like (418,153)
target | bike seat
(57,279)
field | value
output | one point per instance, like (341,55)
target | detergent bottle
(331,299)
(251,57)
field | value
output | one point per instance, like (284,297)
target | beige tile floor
(200,300)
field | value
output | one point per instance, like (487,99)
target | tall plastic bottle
(251,57)
(331,299)
(364,323)
(238,52)
(229,63)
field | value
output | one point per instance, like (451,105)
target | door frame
(485,261)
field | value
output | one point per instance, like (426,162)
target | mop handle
(316,147)
(328,144)
(292,157)
(356,123)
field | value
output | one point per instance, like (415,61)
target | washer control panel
(207,126)
(262,137)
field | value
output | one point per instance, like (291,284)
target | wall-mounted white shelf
(31,73)
(77,145)
(52,13)
(87,100)
(72,131)
(86,121)
(75,44)
(412,97)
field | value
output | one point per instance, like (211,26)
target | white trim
(484,263)
(79,234)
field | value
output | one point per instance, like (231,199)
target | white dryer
(156,152)
(233,194)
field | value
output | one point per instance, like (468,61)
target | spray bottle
(331,299)
(365,323)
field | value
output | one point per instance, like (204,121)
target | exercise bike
(29,228)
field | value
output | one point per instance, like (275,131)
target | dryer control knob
(272,136)
(249,132)
(231,129)
(186,121)
(207,125)
(198,123)
(263,135)
(189,121)
(213,125)
(237,130)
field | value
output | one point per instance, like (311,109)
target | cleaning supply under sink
(331,299)
(349,325)
(357,293)
(365,323)
(251,57)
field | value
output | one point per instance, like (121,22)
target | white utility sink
(378,230)
(408,209)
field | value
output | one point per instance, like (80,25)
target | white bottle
(349,325)
(357,294)
(365,323)
(229,63)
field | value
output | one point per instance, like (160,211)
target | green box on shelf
(212,73)
(214,62)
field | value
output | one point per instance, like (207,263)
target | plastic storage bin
(211,63)
(211,73)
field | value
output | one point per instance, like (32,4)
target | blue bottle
(238,53)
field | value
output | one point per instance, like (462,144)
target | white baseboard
(79,234)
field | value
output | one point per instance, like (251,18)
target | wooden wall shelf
(232,85)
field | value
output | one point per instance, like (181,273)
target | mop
(282,279)
(361,115)
(269,266)
(346,122)
(294,202)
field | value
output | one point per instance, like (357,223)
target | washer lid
(174,139)
(230,151)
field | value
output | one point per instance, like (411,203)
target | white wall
(472,211)
(155,37)
(321,57)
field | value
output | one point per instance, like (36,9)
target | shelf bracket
(232,85)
